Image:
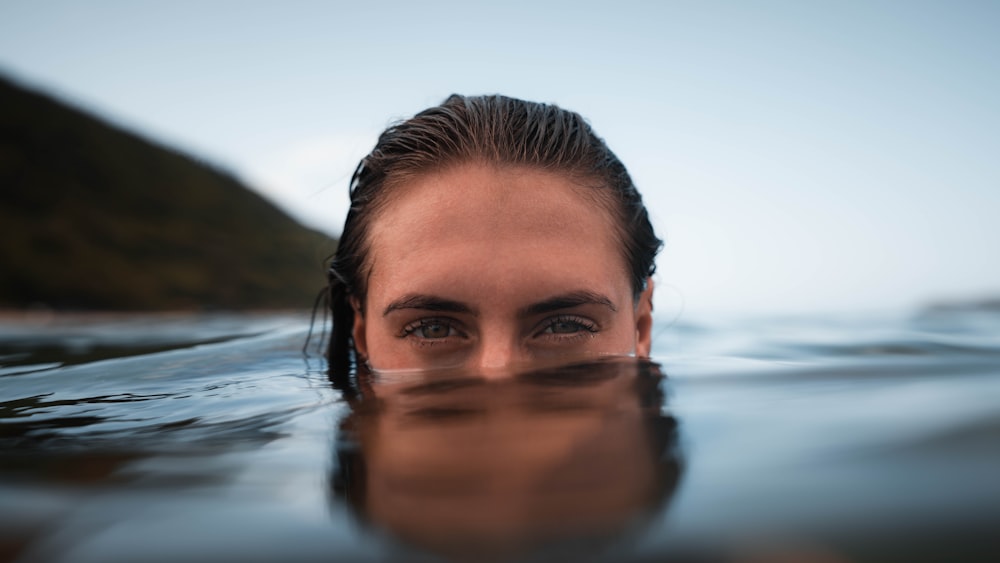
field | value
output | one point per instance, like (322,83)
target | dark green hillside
(93,217)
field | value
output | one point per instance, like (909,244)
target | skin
(488,267)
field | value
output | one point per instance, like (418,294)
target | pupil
(435,330)
(564,327)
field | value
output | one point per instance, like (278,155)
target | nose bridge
(499,349)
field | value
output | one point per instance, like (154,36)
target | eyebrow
(567,301)
(556,303)
(427,303)
(572,375)
(443,386)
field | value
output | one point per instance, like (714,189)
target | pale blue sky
(797,156)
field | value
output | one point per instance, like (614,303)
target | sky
(797,157)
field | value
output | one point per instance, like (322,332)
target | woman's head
(469,199)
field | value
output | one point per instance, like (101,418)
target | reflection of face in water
(471,467)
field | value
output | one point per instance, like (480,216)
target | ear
(644,321)
(358,331)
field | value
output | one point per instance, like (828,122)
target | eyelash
(585,327)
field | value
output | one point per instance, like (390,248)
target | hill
(94,217)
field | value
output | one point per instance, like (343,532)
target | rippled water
(211,438)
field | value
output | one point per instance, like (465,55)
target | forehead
(493,217)
(509,194)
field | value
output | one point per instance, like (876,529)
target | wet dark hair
(488,129)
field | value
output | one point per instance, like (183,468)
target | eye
(565,325)
(430,329)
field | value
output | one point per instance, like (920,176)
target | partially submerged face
(487,267)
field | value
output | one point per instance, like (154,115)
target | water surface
(211,438)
